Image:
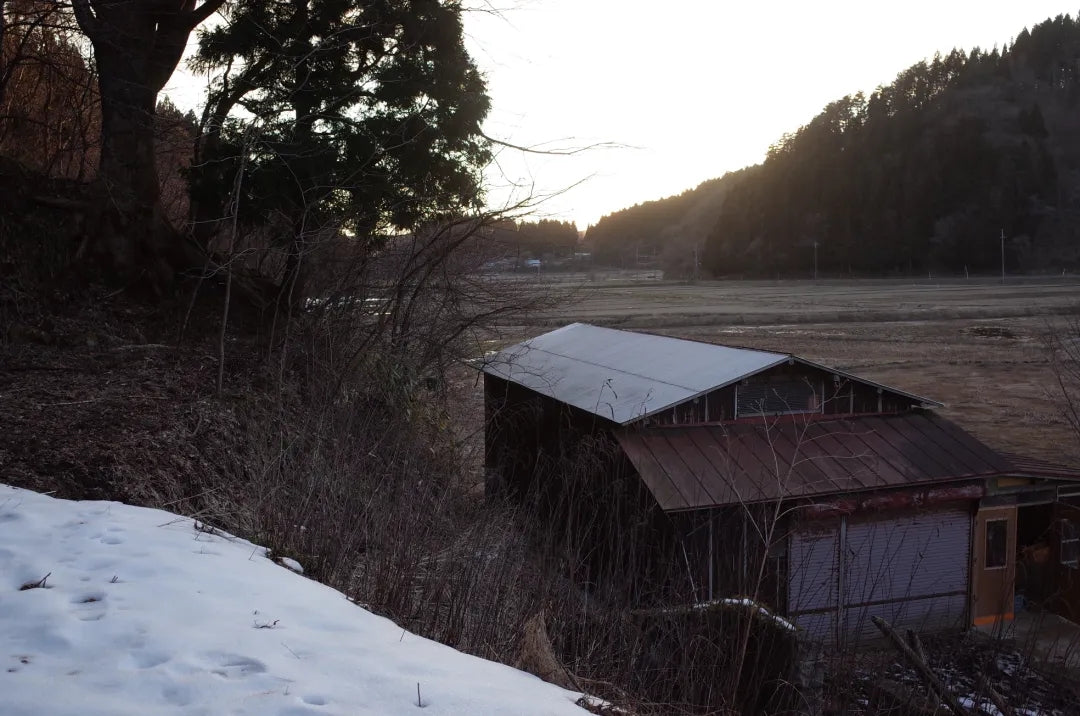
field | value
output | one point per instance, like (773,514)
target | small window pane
(997,543)
(776,399)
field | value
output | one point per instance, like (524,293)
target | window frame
(986,544)
(1070,528)
(815,401)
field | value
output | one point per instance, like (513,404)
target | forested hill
(667,232)
(921,175)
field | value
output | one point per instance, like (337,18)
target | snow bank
(141,613)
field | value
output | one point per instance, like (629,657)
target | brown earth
(978,346)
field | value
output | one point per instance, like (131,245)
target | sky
(671,94)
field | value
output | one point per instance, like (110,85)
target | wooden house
(858,499)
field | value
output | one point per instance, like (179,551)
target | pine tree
(365,115)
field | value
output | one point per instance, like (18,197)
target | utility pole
(815,259)
(1003,255)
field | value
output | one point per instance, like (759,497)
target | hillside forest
(921,175)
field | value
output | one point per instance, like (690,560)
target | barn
(828,497)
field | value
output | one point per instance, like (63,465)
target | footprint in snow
(314,700)
(142,660)
(90,606)
(176,695)
(233,666)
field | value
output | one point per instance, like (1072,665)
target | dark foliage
(638,235)
(924,174)
(357,116)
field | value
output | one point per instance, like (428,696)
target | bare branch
(536,149)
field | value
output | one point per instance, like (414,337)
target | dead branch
(928,676)
(997,699)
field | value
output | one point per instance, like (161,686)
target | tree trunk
(3,36)
(134,234)
(137,44)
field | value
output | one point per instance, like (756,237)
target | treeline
(640,235)
(537,239)
(923,174)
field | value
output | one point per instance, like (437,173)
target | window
(997,544)
(776,399)
(1070,544)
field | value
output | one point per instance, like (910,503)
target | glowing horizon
(688,93)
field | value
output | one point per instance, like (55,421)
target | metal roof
(621,375)
(625,376)
(713,465)
(1026,466)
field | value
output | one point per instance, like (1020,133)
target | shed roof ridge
(695,341)
(608,367)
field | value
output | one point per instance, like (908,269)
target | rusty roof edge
(1034,467)
(822,497)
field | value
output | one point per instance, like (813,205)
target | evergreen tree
(357,115)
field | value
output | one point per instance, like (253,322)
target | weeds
(39,584)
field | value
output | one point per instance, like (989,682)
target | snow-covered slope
(143,614)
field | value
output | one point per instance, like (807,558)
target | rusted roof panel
(1034,467)
(705,466)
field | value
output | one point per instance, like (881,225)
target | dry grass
(977,346)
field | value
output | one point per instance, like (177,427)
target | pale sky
(690,89)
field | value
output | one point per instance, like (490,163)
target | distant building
(877,505)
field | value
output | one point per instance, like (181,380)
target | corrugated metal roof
(713,465)
(621,375)
(625,376)
(1023,465)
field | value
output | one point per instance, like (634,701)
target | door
(993,565)
(813,578)
(910,570)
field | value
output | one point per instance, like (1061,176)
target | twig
(40,584)
(69,402)
(997,699)
(140,347)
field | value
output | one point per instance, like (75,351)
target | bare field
(657,304)
(978,346)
